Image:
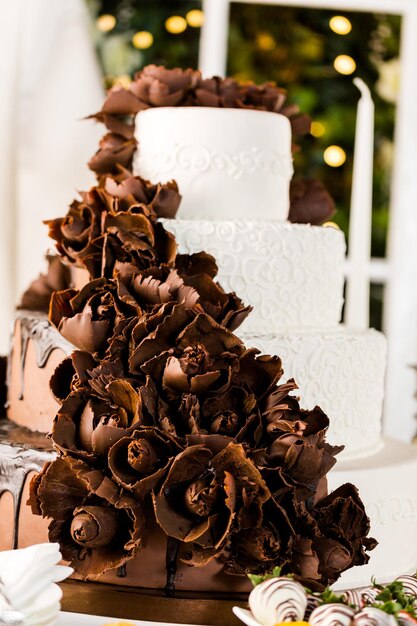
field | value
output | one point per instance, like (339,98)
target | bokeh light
(334,156)
(317,129)
(105,22)
(142,39)
(176,24)
(340,25)
(265,41)
(195,18)
(344,64)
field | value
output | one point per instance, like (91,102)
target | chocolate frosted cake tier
(22,453)
(37,349)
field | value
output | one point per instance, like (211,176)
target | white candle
(357,293)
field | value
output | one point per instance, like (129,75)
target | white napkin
(30,576)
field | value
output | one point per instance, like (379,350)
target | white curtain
(49,81)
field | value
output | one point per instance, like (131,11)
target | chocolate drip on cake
(21,452)
(121,572)
(45,337)
(173,546)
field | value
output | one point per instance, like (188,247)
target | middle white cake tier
(342,371)
(292,274)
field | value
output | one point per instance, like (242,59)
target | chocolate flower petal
(310,202)
(157,341)
(114,151)
(259,373)
(115,124)
(226,308)
(98,527)
(120,101)
(174,378)
(197,263)
(157,86)
(83,331)
(169,509)
(65,428)
(214,338)
(37,297)
(71,374)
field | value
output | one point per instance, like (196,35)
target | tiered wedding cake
(292,274)
(175,444)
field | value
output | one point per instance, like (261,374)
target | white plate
(78,619)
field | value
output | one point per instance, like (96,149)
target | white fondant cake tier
(292,274)
(387,485)
(342,371)
(228,163)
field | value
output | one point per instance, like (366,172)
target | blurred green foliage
(295,48)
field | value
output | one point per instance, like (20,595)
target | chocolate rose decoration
(140,461)
(217,92)
(162,198)
(310,202)
(90,421)
(226,308)
(75,233)
(266,97)
(97,526)
(262,547)
(131,237)
(72,374)
(117,223)
(234,413)
(203,353)
(299,443)
(206,382)
(113,150)
(87,318)
(343,513)
(37,297)
(154,286)
(158,86)
(330,537)
(202,494)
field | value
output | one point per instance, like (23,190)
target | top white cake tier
(228,163)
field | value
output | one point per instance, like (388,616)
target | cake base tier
(341,370)
(153,606)
(387,483)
